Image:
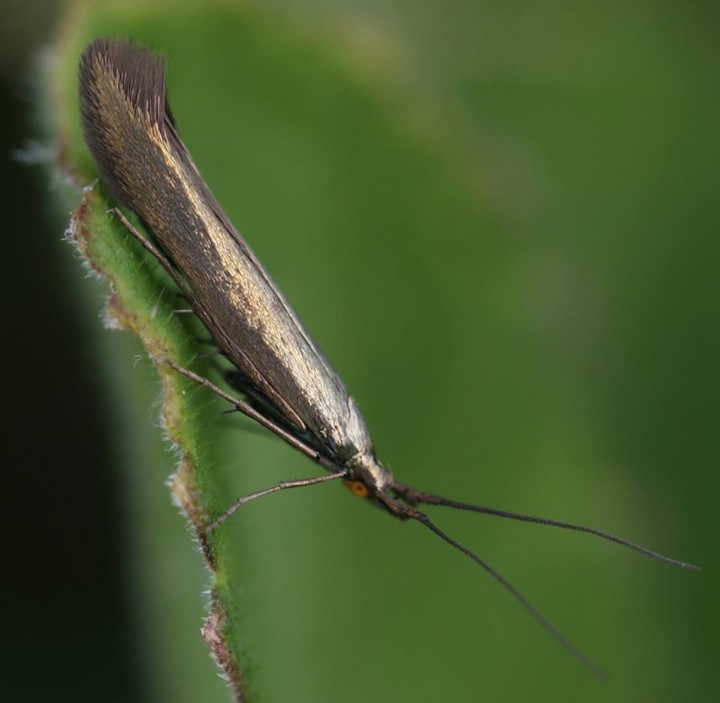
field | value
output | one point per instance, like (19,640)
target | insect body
(131,132)
(290,387)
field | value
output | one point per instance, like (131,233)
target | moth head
(366,477)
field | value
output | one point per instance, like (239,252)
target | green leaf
(494,226)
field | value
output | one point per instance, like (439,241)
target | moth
(286,383)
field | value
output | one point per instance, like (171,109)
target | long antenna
(529,607)
(414,497)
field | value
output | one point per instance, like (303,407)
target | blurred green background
(499,222)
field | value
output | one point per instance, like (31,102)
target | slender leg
(249,411)
(252,413)
(283,485)
(164,261)
(207,355)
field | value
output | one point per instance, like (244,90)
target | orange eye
(357,488)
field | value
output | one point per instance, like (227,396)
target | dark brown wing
(131,132)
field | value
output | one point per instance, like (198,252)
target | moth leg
(273,426)
(149,246)
(181,299)
(282,486)
(254,414)
(208,354)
